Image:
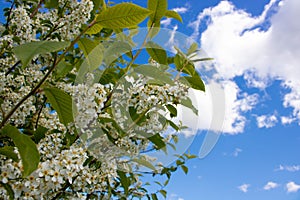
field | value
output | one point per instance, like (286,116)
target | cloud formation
(244,188)
(292,168)
(266,121)
(260,49)
(292,187)
(271,185)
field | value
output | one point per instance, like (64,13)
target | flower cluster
(110,124)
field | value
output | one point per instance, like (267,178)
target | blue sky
(256,47)
(256,50)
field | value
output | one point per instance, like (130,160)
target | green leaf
(172,110)
(159,8)
(51,4)
(27,148)
(188,103)
(182,64)
(9,190)
(194,82)
(62,69)
(92,51)
(115,50)
(144,163)
(157,52)
(25,52)
(125,182)
(155,73)
(154,196)
(157,140)
(184,169)
(123,15)
(193,48)
(202,59)
(8,151)
(164,193)
(173,125)
(173,14)
(40,133)
(62,104)
(96,28)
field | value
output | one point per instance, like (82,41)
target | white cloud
(181,10)
(241,43)
(174,197)
(271,185)
(244,188)
(287,120)
(292,187)
(266,121)
(221,108)
(236,152)
(292,168)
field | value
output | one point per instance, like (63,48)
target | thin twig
(36,9)
(9,15)
(12,68)
(55,63)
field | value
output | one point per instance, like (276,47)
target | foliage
(78,114)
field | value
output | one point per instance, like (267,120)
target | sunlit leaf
(173,14)
(123,15)
(159,8)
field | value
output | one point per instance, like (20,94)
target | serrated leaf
(173,14)
(8,151)
(62,104)
(92,51)
(144,163)
(159,8)
(156,52)
(27,148)
(184,169)
(123,15)
(25,52)
(157,140)
(155,73)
